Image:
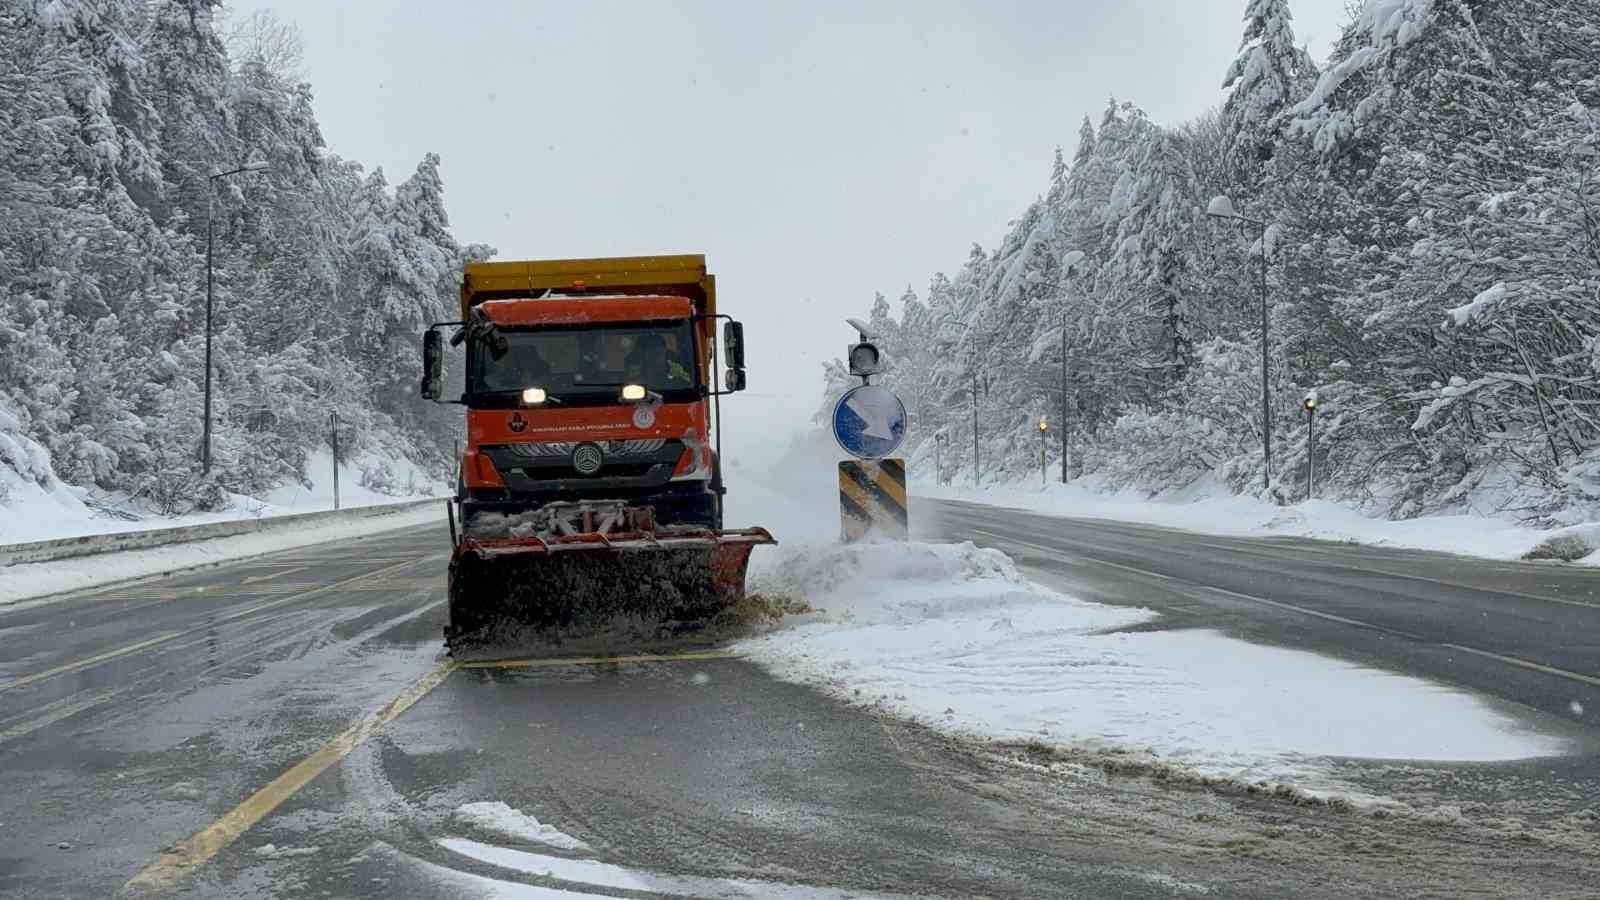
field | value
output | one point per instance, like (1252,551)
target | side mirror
(432,364)
(733,380)
(733,344)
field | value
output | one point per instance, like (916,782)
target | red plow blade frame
(730,549)
(594,585)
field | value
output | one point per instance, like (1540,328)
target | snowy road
(1525,633)
(287,727)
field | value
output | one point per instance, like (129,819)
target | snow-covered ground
(1211,508)
(953,635)
(33,513)
(20,583)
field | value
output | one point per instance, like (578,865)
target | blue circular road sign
(869,421)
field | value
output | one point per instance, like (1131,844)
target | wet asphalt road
(133,718)
(137,716)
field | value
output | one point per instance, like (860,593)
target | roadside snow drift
(952,634)
(496,817)
(23,582)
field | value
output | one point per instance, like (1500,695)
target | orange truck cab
(589,380)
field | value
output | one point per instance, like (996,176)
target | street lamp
(1310,403)
(938,458)
(211,214)
(1221,207)
(1043,428)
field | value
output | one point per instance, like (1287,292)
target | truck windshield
(589,363)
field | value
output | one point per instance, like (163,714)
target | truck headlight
(633,392)
(534,396)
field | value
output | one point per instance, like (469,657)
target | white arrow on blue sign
(869,421)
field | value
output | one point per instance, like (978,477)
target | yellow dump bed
(681,275)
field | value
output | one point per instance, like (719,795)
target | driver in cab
(650,365)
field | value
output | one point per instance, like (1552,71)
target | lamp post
(1073,261)
(211,215)
(975,470)
(1221,207)
(938,458)
(1310,403)
(1043,428)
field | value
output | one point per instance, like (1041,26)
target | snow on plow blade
(594,586)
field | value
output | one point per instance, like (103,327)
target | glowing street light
(1044,428)
(1310,403)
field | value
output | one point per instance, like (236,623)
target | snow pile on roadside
(498,818)
(1211,508)
(952,635)
(273,851)
(20,582)
(31,511)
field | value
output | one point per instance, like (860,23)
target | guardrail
(94,544)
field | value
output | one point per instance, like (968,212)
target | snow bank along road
(286,726)
(1527,633)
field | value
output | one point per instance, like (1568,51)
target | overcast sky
(815,152)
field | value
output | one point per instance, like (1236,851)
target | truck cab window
(587,363)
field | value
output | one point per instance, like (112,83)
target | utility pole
(938,458)
(1266,407)
(335,441)
(1063,418)
(975,421)
(211,215)
(1073,260)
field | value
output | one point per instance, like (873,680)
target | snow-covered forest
(113,115)
(1431,197)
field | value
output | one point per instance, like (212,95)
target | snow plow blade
(594,587)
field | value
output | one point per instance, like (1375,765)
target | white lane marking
(209,623)
(255,578)
(605,875)
(1510,660)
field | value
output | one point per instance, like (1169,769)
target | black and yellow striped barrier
(872,498)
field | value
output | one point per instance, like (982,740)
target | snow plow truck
(589,494)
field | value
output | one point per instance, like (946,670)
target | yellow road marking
(255,578)
(90,661)
(163,638)
(62,709)
(187,855)
(598,660)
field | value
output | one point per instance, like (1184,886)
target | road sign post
(872,499)
(869,423)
